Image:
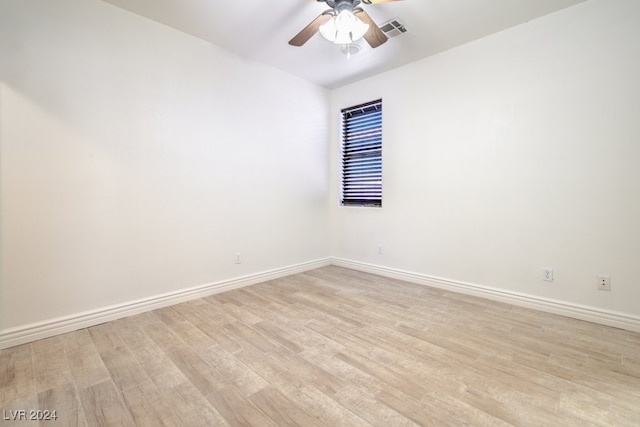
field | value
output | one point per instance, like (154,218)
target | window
(362,155)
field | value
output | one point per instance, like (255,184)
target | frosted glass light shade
(344,28)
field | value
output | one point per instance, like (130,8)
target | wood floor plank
(362,402)
(252,336)
(190,333)
(50,364)
(203,376)
(277,335)
(317,303)
(384,374)
(282,410)
(316,403)
(64,402)
(233,370)
(143,412)
(222,336)
(325,408)
(256,303)
(165,338)
(200,311)
(157,364)
(158,400)
(233,309)
(191,407)
(103,407)
(237,409)
(498,386)
(424,414)
(85,363)
(123,367)
(17,377)
(271,369)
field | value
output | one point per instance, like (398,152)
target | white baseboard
(590,314)
(52,327)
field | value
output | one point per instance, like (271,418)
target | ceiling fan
(343,24)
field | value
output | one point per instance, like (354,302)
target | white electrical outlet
(379,249)
(604,283)
(238,258)
(547,274)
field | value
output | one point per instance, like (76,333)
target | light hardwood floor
(330,347)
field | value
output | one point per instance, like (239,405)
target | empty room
(320,213)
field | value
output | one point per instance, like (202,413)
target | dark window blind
(362,155)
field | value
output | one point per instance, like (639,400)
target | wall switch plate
(547,274)
(604,283)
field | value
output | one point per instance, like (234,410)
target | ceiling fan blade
(303,36)
(374,36)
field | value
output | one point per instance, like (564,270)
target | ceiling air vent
(393,28)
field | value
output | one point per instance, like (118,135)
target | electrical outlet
(379,249)
(238,258)
(547,274)
(604,283)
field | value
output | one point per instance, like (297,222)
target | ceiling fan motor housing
(340,5)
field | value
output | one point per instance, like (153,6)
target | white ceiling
(260,30)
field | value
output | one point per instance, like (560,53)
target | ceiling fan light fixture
(344,28)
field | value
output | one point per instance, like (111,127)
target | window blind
(362,155)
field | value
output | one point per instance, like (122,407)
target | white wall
(513,153)
(136,160)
